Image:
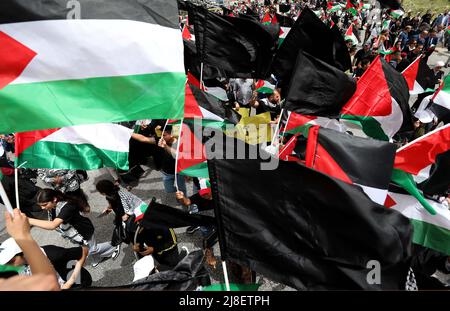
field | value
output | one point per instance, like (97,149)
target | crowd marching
(52,197)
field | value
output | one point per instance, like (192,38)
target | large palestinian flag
(418,76)
(355,160)
(83,147)
(380,103)
(432,231)
(416,159)
(107,65)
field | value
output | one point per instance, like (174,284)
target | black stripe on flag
(160,12)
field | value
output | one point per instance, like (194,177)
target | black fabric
(70,214)
(310,34)
(442,113)
(439,181)
(391,4)
(366,161)
(202,204)
(424,263)
(63,260)
(425,75)
(242,47)
(305,229)
(285,21)
(214,105)
(187,275)
(192,63)
(342,59)
(398,87)
(160,239)
(161,12)
(317,88)
(163,216)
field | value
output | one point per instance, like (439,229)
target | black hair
(48,195)
(365,61)
(107,187)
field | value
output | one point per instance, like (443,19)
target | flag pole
(277,128)
(225,275)
(287,121)
(164,128)
(201,76)
(5,199)
(16,183)
(176,155)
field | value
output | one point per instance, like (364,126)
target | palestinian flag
(345,157)
(186,33)
(380,103)
(349,35)
(441,100)
(283,34)
(80,147)
(432,231)
(204,106)
(297,123)
(140,211)
(385,24)
(109,66)
(264,87)
(418,76)
(448,29)
(191,154)
(335,8)
(417,157)
(396,13)
(352,7)
(267,19)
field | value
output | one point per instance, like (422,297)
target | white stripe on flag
(79,49)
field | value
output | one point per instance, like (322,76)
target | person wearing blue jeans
(168,144)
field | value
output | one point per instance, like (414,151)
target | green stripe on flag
(370,126)
(53,104)
(48,154)
(431,236)
(233,287)
(199,170)
(406,181)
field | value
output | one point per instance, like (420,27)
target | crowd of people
(63,206)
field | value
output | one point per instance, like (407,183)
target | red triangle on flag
(349,31)
(24,140)
(372,97)
(410,73)
(389,202)
(191,107)
(191,151)
(266,18)
(186,34)
(274,20)
(14,58)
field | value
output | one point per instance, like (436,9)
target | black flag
(317,88)
(310,34)
(302,228)
(242,47)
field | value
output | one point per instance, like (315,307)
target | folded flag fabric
(116,65)
(355,160)
(380,103)
(83,147)
(298,123)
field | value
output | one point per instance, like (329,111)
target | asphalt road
(120,271)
